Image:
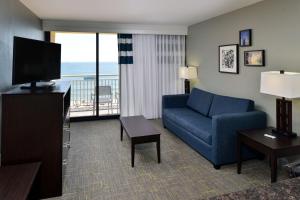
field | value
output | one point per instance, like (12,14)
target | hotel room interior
(149,100)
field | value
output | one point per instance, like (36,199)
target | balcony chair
(105,97)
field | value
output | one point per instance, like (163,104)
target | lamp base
(284,118)
(187,86)
(286,134)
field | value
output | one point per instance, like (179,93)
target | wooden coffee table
(140,131)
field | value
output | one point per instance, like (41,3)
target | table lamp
(187,73)
(287,86)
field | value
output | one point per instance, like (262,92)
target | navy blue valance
(125,49)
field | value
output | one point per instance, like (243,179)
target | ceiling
(162,12)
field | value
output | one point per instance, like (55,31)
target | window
(79,66)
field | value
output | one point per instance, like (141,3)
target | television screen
(35,61)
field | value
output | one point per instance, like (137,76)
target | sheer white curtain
(137,90)
(170,56)
(154,73)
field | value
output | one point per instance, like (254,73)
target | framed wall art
(229,58)
(246,38)
(255,58)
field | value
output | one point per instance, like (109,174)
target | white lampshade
(283,85)
(188,72)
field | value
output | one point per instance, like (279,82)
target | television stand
(39,86)
(36,127)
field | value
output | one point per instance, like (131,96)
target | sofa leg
(217,167)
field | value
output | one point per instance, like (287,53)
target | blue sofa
(208,123)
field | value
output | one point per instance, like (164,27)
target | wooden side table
(282,146)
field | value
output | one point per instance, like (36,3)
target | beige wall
(276,28)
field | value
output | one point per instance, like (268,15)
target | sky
(81,47)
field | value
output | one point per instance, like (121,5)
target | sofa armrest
(225,129)
(174,101)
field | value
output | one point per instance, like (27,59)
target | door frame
(47,38)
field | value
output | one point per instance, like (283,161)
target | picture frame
(229,58)
(254,58)
(245,38)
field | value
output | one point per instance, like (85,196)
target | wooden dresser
(36,128)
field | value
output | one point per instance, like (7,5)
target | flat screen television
(35,61)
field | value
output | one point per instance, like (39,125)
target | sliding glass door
(90,63)
(108,75)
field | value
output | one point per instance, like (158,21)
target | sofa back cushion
(224,104)
(200,101)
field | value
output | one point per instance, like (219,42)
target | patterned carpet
(99,168)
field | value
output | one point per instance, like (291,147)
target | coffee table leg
(132,153)
(239,156)
(273,168)
(158,149)
(121,132)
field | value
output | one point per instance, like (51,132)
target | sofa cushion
(224,104)
(200,100)
(197,124)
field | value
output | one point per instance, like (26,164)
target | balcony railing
(83,94)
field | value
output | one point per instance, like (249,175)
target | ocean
(82,76)
(89,68)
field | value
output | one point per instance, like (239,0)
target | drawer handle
(64,162)
(65,145)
